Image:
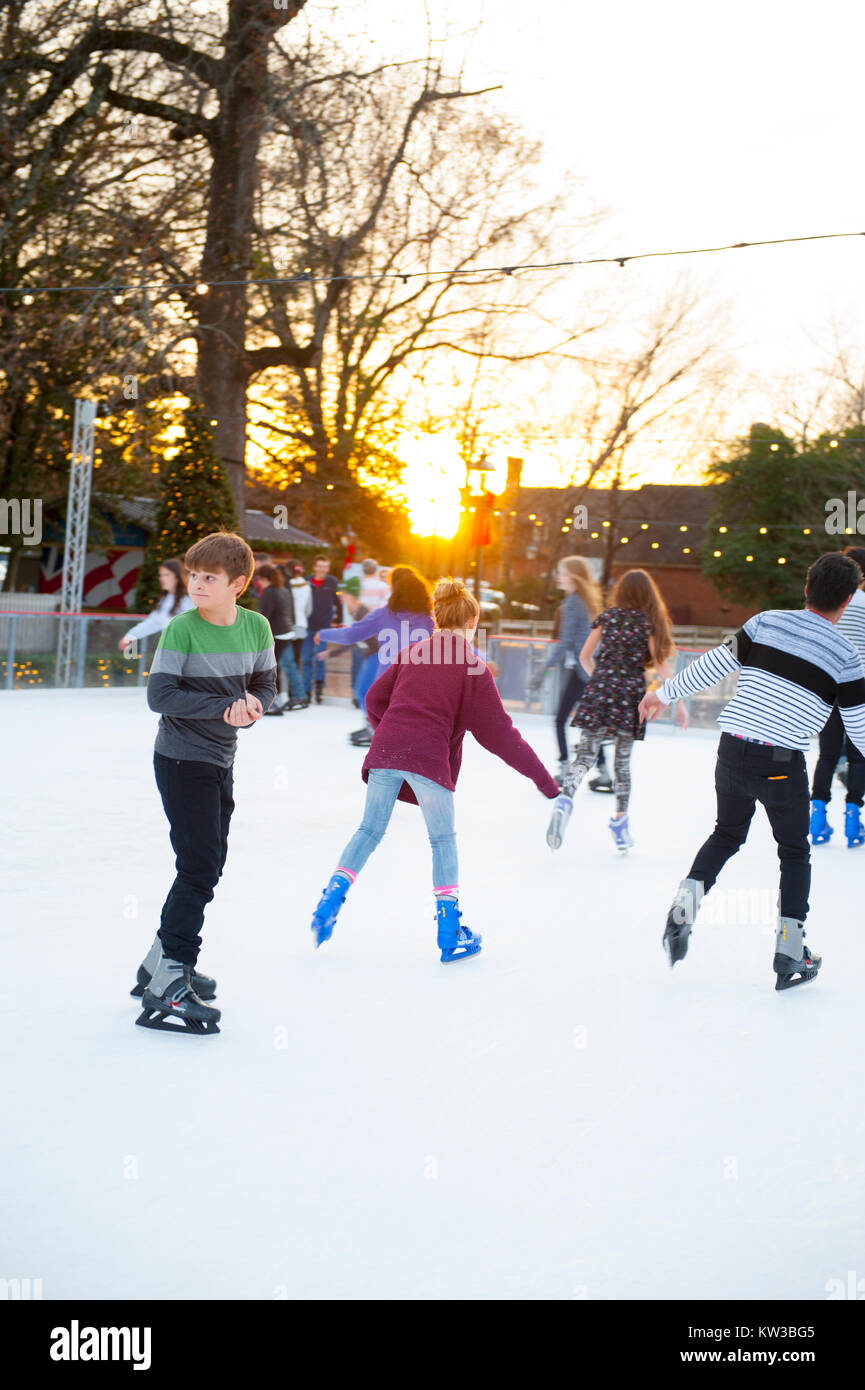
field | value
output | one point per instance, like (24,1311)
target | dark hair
(272,574)
(178,571)
(857,553)
(409,591)
(831,580)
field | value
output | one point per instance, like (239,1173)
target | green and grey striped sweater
(201,668)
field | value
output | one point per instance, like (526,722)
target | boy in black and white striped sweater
(793,667)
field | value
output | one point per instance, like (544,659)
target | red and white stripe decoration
(109,576)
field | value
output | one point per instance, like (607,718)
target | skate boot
(681,918)
(361,738)
(171,1004)
(562,808)
(603,782)
(203,985)
(794,964)
(820,830)
(319,688)
(621,833)
(329,903)
(853,827)
(454,940)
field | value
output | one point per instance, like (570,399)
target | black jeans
(572,691)
(197,797)
(746,773)
(832,739)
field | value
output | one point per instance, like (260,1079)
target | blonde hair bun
(454,605)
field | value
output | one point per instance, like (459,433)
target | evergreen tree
(194,499)
(770,523)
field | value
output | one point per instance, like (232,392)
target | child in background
(421,708)
(214,673)
(793,666)
(634,633)
(174,600)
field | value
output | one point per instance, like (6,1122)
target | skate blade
(452,953)
(557,827)
(790,981)
(158,1022)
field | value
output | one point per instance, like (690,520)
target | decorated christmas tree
(194,499)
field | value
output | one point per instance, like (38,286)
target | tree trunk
(223,371)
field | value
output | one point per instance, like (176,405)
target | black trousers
(746,773)
(832,740)
(197,797)
(572,691)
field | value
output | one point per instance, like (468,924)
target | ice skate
(794,964)
(562,771)
(562,808)
(853,827)
(203,985)
(603,782)
(361,738)
(454,940)
(172,1006)
(621,833)
(681,918)
(329,903)
(820,830)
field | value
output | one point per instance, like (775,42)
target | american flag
(109,575)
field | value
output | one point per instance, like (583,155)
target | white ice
(562,1117)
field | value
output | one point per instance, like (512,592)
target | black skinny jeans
(575,683)
(832,739)
(746,773)
(197,797)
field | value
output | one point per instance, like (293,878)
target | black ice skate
(793,964)
(203,985)
(177,1008)
(681,918)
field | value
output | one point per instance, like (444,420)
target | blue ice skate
(621,833)
(562,808)
(820,829)
(853,827)
(454,941)
(329,904)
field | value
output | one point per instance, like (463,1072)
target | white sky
(695,126)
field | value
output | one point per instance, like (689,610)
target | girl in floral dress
(633,633)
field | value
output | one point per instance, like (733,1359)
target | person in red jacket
(435,692)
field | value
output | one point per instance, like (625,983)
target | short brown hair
(222,550)
(324,558)
(454,605)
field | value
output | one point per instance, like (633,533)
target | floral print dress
(618,683)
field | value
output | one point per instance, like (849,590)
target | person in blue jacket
(406,617)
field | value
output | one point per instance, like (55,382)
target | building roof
(652,517)
(140,512)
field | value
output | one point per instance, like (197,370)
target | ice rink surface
(562,1117)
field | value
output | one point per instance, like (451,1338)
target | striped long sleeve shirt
(201,668)
(793,666)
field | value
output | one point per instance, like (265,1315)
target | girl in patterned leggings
(633,633)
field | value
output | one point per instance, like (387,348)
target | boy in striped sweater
(214,672)
(793,666)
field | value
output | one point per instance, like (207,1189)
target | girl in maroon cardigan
(421,708)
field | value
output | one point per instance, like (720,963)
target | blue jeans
(370,671)
(437,806)
(309,648)
(296,687)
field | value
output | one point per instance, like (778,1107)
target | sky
(694,126)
